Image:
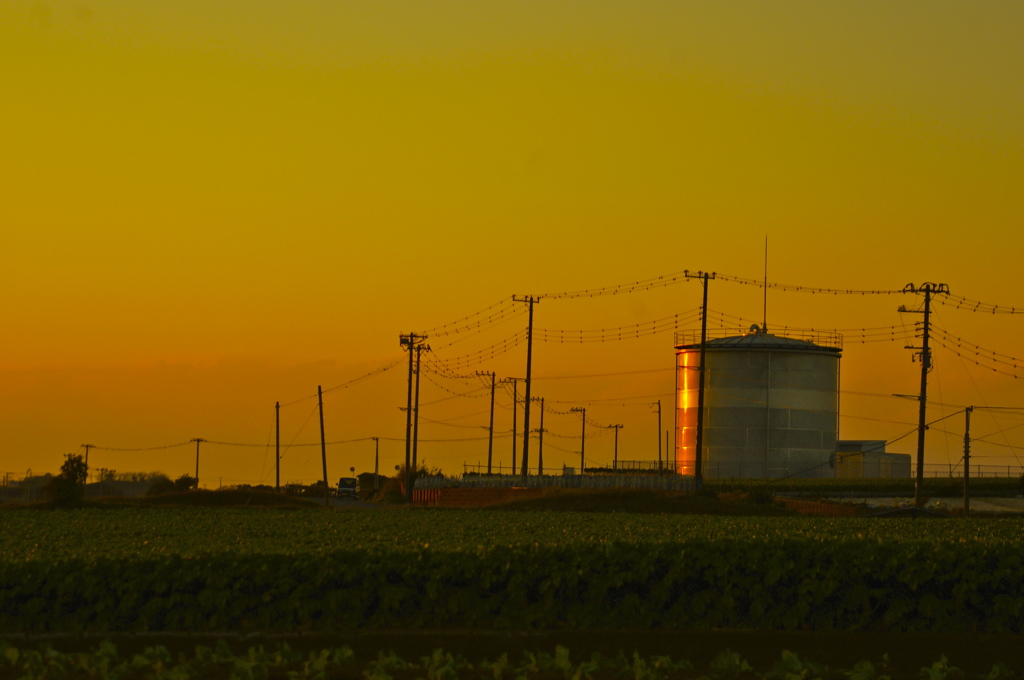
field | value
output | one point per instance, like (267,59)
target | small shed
(867,459)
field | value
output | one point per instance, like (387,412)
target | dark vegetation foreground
(215,569)
(647,502)
(474,655)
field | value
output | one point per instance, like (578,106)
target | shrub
(68,488)
(186,482)
(160,485)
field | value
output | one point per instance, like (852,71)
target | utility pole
(416,408)
(529,300)
(87,447)
(323,442)
(515,409)
(928,289)
(658,432)
(490,429)
(615,459)
(377,462)
(515,427)
(198,442)
(409,342)
(277,445)
(583,436)
(666,450)
(698,463)
(967,459)
(540,440)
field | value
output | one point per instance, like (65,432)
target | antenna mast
(764,310)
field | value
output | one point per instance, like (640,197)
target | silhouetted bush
(68,488)
(186,482)
(161,485)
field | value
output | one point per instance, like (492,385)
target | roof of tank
(762,340)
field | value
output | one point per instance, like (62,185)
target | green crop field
(216,569)
(281,661)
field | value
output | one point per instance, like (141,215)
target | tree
(185,482)
(68,488)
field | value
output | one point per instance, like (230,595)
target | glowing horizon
(208,209)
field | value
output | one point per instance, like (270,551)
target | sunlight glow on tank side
(686,454)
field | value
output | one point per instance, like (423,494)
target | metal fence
(957,470)
(573,481)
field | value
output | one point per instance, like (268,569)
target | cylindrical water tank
(771,405)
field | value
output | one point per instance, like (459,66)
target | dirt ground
(986,505)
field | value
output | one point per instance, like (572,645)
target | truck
(348,487)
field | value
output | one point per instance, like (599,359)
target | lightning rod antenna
(764,311)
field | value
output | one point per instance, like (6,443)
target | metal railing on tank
(820,338)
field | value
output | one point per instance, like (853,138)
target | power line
(803,289)
(959,346)
(629,332)
(960,302)
(605,375)
(446,424)
(981,395)
(453,393)
(622,288)
(517,314)
(343,385)
(466,323)
(299,431)
(332,443)
(608,401)
(376,371)
(462,362)
(941,342)
(144,448)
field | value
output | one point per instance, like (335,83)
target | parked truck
(348,487)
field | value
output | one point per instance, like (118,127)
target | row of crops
(198,569)
(283,662)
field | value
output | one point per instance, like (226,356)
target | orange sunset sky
(209,207)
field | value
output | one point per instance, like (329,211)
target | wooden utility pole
(416,408)
(583,436)
(698,463)
(529,300)
(197,441)
(376,462)
(928,289)
(666,450)
(490,429)
(515,426)
(658,432)
(540,440)
(277,445)
(323,443)
(409,342)
(615,459)
(967,459)
(87,447)
(515,410)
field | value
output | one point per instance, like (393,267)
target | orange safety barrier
(816,508)
(472,498)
